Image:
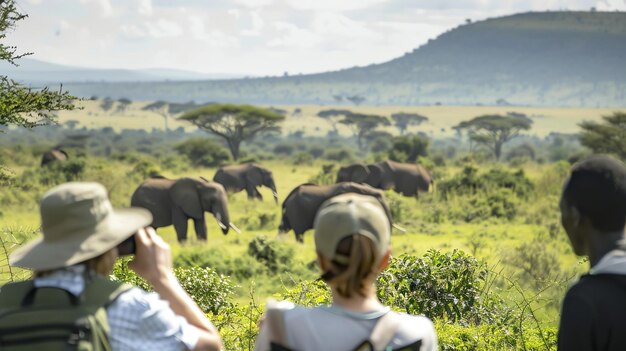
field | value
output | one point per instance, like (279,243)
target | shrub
(276,256)
(302,158)
(203,152)
(538,264)
(211,291)
(240,267)
(339,155)
(469,182)
(409,148)
(447,286)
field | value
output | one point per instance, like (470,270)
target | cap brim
(45,255)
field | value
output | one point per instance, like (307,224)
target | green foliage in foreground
(211,291)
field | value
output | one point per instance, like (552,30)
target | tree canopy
(364,124)
(403,120)
(234,123)
(606,137)
(494,131)
(21,105)
(333,116)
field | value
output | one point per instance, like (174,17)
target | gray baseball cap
(348,214)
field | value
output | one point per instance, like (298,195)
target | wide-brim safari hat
(78,223)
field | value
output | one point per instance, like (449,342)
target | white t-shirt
(336,329)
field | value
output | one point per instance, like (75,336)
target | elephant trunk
(270,184)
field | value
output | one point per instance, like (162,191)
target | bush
(446,286)
(339,155)
(470,182)
(276,256)
(539,265)
(203,152)
(240,267)
(211,291)
(409,148)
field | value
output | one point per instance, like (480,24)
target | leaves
(606,137)
(21,105)
(494,130)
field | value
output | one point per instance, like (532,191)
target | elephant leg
(299,237)
(251,191)
(257,194)
(179,218)
(200,226)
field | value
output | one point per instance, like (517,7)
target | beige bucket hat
(348,214)
(78,223)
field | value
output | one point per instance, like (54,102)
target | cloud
(254,3)
(144,7)
(158,29)
(293,36)
(104,7)
(332,5)
(257,25)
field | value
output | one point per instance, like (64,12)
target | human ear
(322,262)
(384,262)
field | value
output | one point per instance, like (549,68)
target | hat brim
(44,255)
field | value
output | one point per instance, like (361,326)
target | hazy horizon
(249,37)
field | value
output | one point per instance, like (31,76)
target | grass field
(441,118)
(494,241)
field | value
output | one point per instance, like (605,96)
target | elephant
(405,178)
(174,201)
(53,155)
(246,176)
(302,203)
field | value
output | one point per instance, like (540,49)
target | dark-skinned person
(352,240)
(71,304)
(593,214)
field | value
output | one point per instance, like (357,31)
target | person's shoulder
(589,284)
(140,299)
(414,327)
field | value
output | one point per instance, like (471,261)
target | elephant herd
(175,201)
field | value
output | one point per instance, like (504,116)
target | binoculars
(127,247)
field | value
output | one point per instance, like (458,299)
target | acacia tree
(21,105)
(363,124)
(333,116)
(234,123)
(606,137)
(403,120)
(494,131)
(167,109)
(122,105)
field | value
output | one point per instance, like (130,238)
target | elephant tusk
(222,225)
(399,228)
(232,225)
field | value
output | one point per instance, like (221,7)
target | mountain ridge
(535,58)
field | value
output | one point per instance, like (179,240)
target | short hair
(597,188)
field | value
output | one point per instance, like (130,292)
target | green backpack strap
(98,295)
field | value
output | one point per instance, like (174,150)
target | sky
(250,37)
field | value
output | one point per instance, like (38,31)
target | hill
(544,59)
(40,72)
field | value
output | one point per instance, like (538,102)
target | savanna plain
(483,255)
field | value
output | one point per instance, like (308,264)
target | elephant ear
(359,174)
(184,194)
(254,176)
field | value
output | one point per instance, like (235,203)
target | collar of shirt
(613,262)
(70,278)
